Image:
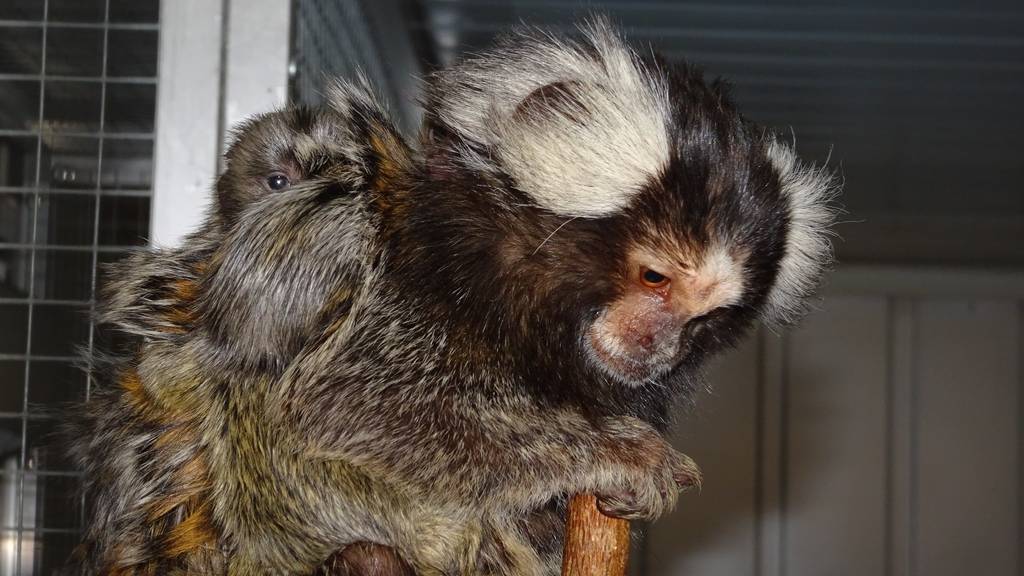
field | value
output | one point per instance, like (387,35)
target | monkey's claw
(686,473)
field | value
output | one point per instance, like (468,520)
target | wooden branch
(595,545)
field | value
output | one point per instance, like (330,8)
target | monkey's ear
(579,126)
(379,152)
(808,193)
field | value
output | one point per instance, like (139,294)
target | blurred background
(882,437)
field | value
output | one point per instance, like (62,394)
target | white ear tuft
(580,127)
(808,192)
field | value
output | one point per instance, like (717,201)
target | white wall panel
(834,456)
(883,436)
(966,408)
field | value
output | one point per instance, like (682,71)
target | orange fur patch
(186,497)
(195,532)
(189,483)
(136,394)
(184,291)
(393,164)
(392,159)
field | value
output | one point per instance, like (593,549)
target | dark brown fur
(364,559)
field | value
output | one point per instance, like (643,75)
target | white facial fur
(718,282)
(589,155)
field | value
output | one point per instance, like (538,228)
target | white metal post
(187,119)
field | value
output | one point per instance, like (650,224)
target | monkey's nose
(646,341)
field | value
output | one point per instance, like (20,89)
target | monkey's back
(182,481)
(147,484)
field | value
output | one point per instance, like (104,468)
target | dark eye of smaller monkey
(278,181)
(653,279)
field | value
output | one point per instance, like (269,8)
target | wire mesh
(77,106)
(335,40)
(329,41)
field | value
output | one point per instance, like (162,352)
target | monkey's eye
(653,279)
(278,181)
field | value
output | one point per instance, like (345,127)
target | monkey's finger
(624,505)
(686,473)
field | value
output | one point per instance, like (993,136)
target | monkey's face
(697,252)
(660,223)
(274,153)
(664,305)
(295,235)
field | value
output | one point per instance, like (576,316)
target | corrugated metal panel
(916,106)
(342,39)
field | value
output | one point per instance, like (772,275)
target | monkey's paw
(648,493)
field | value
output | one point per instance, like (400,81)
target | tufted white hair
(580,126)
(808,192)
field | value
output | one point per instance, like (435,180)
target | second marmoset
(429,349)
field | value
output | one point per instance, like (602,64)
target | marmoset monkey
(428,350)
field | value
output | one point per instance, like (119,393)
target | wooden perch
(595,545)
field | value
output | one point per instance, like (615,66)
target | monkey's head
(295,235)
(623,204)
(278,152)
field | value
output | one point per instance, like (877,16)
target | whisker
(552,234)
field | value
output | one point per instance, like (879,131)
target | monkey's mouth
(623,366)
